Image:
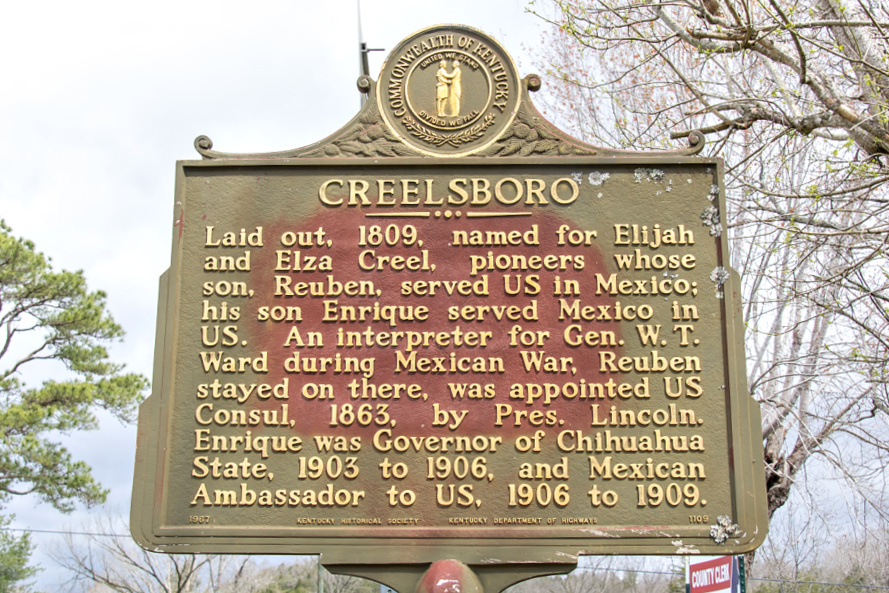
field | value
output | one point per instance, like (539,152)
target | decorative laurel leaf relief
(437,139)
(368,138)
(511,147)
(530,137)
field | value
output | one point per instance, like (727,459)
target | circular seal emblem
(448,90)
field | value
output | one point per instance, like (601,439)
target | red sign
(712,575)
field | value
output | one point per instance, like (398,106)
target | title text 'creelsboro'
(461,191)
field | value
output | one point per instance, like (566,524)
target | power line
(763,579)
(57,532)
(820,583)
(591,568)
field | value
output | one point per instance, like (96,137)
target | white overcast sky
(98,99)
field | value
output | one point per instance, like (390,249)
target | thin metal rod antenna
(363,50)
(362,69)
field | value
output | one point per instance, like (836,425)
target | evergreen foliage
(51,317)
(15,552)
(47,315)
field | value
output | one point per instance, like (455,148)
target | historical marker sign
(531,350)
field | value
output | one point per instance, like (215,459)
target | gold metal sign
(449,331)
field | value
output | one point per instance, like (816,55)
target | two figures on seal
(448,89)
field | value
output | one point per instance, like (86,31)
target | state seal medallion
(448,90)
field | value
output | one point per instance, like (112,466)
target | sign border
(749,487)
